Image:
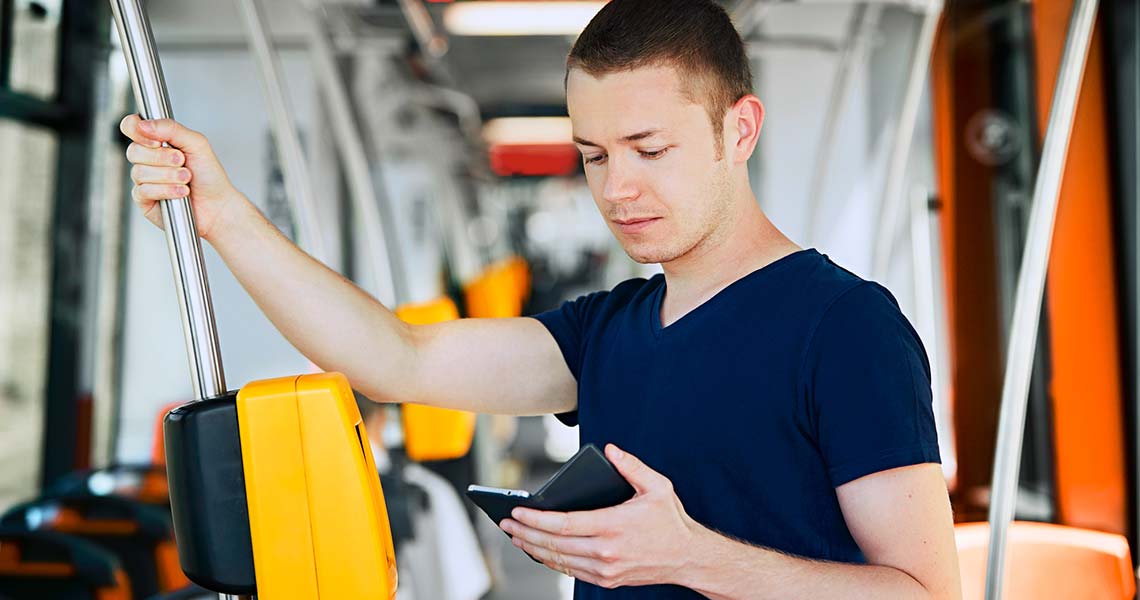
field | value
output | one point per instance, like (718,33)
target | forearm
(326,317)
(725,569)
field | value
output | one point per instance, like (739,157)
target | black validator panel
(207,495)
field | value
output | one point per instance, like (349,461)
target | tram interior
(903,139)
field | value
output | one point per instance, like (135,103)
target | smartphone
(588,481)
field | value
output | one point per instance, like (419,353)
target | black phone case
(586,482)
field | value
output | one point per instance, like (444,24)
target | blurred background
(902,139)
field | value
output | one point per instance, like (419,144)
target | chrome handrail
(1030,288)
(182,240)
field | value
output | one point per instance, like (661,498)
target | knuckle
(136,174)
(607,554)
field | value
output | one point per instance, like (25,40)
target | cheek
(685,190)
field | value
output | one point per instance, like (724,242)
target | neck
(747,241)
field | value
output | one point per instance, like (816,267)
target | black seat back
(140,536)
(44,564)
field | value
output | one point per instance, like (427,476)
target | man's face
(651,161)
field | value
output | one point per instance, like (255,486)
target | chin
(648,254)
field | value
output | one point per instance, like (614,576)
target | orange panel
(942,99)
(1081,291)
(942,109)
(962,74)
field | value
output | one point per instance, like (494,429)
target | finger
(130,128)
(159,157)
(641,477)
(174,133)
(577,546)
(582,523)
(148,174)
(150,192)
(566,563)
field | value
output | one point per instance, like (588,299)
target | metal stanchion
(863,22)
(1030,288)
(182,241)
(383,246)
(298,184)
(894,200)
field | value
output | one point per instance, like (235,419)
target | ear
(742,127)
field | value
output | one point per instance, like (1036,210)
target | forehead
(623,102)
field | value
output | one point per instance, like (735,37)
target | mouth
(636,224)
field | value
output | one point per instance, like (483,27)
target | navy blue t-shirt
(757,404)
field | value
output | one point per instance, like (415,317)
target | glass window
(34,66)
(27,169)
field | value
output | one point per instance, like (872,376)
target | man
(771,409)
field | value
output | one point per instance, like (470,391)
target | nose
(620,184)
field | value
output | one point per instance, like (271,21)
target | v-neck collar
(659,294)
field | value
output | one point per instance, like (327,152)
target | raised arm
(507,366)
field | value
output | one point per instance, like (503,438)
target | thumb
(175,134)
(638,474)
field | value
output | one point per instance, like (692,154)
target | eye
(597,159)
(652,154)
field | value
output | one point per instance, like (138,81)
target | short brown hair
(694,36)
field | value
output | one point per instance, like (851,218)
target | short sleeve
(569,325)
(865,385)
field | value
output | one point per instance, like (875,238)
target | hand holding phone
(586,482)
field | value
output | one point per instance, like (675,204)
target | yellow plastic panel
(317,514)
(276,489)
(498,292)
(432,433)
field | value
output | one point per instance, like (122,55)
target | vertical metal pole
(863,22)
(929,311)
(298,184)
(894,200)
(181,234)
(1030,288)
(383,249)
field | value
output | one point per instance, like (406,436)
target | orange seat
(1048,561)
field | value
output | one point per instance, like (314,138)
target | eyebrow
(633,137)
